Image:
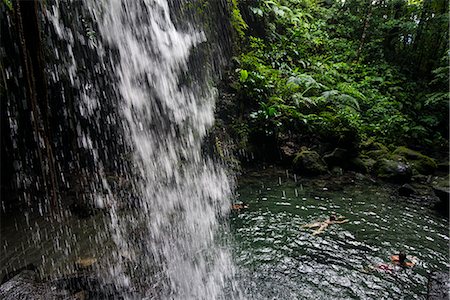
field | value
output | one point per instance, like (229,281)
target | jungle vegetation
(342,72)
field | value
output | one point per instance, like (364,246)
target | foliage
(303,73)
(8,4)
(237,21)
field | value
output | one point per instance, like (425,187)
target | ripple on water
(281,260)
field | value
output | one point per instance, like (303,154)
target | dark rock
(438,286)
(422,163)
(441,189)
(369,163)
(377,154)
(420,178)
(8,276)
(25,286)
(337,171)
(371,145)
(442,193)
(443,167)
(393,171)
(406,190)
(93,287)
(338,157)
(288,150)
(308,162)
(358,165)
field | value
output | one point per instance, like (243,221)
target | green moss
(309,163)
(377,154)
(392,170)
(237,21)
(422,163)
(372,145)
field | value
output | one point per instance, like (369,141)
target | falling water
(167,237)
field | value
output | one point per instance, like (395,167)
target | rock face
(393,170)
(422,163)
(308,162)
(438,286)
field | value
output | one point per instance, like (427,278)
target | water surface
(280,260)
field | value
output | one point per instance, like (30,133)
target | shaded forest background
(346,74)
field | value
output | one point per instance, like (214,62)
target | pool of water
(278,259)
(275,257)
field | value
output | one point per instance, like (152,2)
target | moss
(377,154)
(393,170)
(422,163)
(372,145)
(309,163)
(237,21)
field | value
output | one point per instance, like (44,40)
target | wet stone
(406,190)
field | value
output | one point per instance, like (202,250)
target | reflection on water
(281,260)
(52,245)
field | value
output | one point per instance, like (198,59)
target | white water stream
(172,229)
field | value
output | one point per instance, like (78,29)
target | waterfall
(163,102)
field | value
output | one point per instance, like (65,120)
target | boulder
(308,162)
(337,171)
(374,150)
(368,162)
(358,165)
(438,286)
(338,157)
(443,167)
(406,190)
(288,150)
(441,189)
(371,145)
(393,170)
(25,286)
(376,154)
(422,163)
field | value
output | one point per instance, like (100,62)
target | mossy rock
(357,164)
(368,162)
(338,157)
(377,154)
(422,163)
(393,170)
(308,162)
(372,145)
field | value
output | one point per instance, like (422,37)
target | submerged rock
(393,170)
(422,163)
(308,162)
(406,190)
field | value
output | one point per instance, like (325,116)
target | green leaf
(243,75)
